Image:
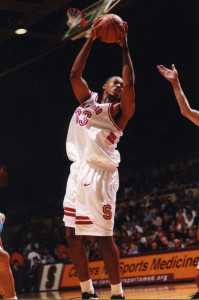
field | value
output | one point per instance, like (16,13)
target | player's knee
(4,258)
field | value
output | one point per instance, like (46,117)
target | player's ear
(104,86)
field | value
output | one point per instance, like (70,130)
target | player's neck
(107,98)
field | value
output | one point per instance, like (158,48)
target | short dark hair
(110,77)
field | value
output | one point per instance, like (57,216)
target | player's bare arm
(127,104)
(79,85)
(172,76)
(2,216)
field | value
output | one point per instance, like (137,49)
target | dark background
(36,101)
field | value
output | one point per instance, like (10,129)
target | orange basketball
(107,28)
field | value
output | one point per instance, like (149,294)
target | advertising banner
(151,268)
(50,278)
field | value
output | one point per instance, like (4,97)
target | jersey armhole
(111,118)
(93,96)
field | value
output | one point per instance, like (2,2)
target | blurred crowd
(157,209)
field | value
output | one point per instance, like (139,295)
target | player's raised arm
(172,76)
(79,85)
(127,103)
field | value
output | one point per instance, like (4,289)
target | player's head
(113,88)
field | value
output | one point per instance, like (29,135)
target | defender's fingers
(163,67)
(97,21)
(125,25)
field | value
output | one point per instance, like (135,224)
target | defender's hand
(170,75)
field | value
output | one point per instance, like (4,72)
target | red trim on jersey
(110,139)
(69,214)
(70,209)
(96,98)
(112,135)
(109,113)
(83,222)
(82,218)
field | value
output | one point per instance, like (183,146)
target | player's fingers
(97,21)
(162,66)
(122,34)
(173,67)
(93,33)
(162,71)
(95,30)
(159,67)
(125,25)
(122,30)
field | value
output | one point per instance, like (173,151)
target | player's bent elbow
(74,75)
(185,112)
(189,114)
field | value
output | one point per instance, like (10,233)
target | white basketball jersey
(93,135)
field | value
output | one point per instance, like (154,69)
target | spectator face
(173,236)
(149,239)
(171,228)
(166,217)
(124,227)
(189,216)
(180,219)
(35,260)
(15,263)
(133,218)
(133,246)
(134,231)
(177,243)
(164,240)
(180,211)
(191,233)
(63,255)
(154,246)
(185,228)
(124,234)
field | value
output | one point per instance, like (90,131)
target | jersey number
(107,212)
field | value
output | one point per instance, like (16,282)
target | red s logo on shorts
(107,212)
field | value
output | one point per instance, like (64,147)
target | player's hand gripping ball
(109,28)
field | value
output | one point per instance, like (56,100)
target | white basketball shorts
(90,199)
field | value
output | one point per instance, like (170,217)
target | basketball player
(93,134)
(7,288)
(186,110)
